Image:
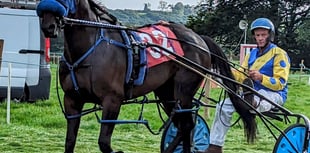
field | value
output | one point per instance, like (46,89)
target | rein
(79,22)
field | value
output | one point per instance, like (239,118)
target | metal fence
(55,57)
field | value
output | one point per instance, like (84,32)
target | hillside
(142,17)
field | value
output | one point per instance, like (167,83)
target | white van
(27,51)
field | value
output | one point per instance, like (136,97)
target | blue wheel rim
(201,137)
(296,135)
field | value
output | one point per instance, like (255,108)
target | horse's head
(50,25)
(53,11)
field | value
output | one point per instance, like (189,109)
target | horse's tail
(220,63)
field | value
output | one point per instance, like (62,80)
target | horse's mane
(101,11)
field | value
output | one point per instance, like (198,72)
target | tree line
(219,20)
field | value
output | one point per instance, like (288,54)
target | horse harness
(136,55)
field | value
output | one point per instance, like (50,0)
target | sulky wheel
(296,134)
(201,136)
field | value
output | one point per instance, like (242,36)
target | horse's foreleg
(184,91)
(186,128)
(110,110)
(176,141)
(72,130)
(185,124)
(72,108)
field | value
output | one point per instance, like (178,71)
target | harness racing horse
(94,69)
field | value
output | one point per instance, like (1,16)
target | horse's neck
(78,40)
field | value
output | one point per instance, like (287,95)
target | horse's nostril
(49,30)
(52,27)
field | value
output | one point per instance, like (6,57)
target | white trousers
(225,109)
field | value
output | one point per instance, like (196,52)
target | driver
(267,67)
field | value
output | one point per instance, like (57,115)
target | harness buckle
(70,67)
(111,41)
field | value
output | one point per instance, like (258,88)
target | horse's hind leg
(110,110)
(184,122)
(73,125)
(179,88)
(184,90)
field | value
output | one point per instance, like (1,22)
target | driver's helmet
(263,23)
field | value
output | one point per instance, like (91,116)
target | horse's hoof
(118,152)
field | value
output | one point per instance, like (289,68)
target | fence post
(57,59)
(8,108)
(207,94)
(1,50)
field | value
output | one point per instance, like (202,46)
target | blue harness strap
(142,58)
(129,56)
(142,62)
(142,54)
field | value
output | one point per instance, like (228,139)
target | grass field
(40,127)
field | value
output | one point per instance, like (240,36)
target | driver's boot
(213,149)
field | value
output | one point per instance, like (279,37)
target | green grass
(41,127)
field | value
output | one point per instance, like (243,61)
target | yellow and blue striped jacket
(274,64)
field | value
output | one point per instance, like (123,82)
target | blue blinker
(59,7)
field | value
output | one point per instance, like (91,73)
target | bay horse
(95,71)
